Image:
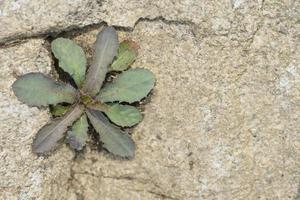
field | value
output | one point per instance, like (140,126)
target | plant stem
(96,105)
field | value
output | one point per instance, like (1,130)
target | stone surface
(23,175)
(31,18)
(223,121)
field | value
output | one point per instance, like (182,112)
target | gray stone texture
(223,121)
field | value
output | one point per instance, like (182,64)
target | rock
(23,174)
(223,120)
(216,126)
(21,19)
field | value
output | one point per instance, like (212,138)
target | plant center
(89,102)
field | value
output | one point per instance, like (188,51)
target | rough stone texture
(223,121)
(25,18)
(29,18)
(22,174)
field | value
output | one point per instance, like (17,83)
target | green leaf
(71,58)
(59,110)
(50,134)
(35,89)
(106,47)
(130,86)
(127,54)
(124,115)
(114,139)
(78,136)
(96,105)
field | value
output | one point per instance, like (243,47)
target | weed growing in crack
(90,100)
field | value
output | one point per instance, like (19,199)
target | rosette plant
(89,102)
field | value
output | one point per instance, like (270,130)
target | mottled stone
(28,18)
(23,175)
(219,124)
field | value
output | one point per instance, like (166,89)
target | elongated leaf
(71,58)
(124,115)
(78,135)
(130,86)
(50,134)
(59,110)
(106,47)
(35,89)
(114,139)
(98,106)
(127,54)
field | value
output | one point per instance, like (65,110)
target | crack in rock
(12,41)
